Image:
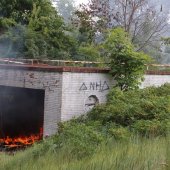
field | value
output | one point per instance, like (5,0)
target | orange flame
(20,141)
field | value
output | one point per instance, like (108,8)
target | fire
(21,141)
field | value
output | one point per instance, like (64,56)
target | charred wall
(29,92)
(21,111)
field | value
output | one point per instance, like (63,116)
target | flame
(21,141)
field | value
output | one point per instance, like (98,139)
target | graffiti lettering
(83,87)
(98,86)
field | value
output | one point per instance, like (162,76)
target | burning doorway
(21,116)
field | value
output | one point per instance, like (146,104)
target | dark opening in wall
(21,112)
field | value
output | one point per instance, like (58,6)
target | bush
(127,65)
(145,110)
(150,128)
(120,133)
(81,139)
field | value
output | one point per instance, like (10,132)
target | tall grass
(134,154)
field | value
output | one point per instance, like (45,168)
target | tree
(136,17)
(165,50)
(41,29)
(166,40)
(85,27)
(127,65)
(18,10)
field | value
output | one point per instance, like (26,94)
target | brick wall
(69,91)
(155,80)
(48,81)
(78,87)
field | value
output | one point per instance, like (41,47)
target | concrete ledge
(157,72)
(46,68)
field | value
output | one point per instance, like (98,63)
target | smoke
(5,47)
(12,42)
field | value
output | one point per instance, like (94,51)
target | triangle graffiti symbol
(105,86)
(83,87)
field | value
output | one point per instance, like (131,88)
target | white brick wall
(48,81)
(66,93)
(155,80)
(77,87)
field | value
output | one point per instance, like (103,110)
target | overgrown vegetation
(130,131)
(144,22)
(133,154)
(146,111)
(127,65)
(35,29)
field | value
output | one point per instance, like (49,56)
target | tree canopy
(36,28)
(127,65)
(144,22)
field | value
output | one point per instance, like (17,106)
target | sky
(165,3)
(77,2)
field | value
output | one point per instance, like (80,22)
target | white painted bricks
(155,80)
(68,94)
(50,82)
(77,87)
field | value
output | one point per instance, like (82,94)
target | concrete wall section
(69,91)
(155,80)
(80,91)
(48,81)
(52,108)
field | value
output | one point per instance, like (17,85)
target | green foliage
(18,10)
(166,40)
(120,133)
(84,22)
(135,153)
(81,138)
(127,66)
(89,53)
(6,23)
(151,127)
(49,34)
(136,109)
(43,31)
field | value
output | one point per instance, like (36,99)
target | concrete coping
(47,68)
(158,72)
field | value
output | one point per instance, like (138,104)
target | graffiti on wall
(91,102)
(30,79)
(97,86)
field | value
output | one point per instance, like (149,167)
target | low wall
(69,91)
(156,78)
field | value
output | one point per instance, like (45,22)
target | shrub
(119,133)
(150,128)
(150,107)
(127,65)
(81,139)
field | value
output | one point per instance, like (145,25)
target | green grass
(134,154)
